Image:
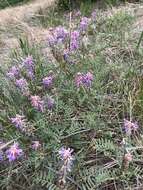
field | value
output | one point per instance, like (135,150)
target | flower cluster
(65,43)
(14,152)
(18,121)
(48,81)
(23,86)
(49,103)
(28,64)
(1,156)
(13,72)
(74,41)
(93,15)
(128,157)
(130,126)
(84,24)
(35,145)
(78,13)
(82,79)
(60,33)
(37,103)
(51,40)
(66,156)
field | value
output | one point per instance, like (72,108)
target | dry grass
(13,24)
(20,12)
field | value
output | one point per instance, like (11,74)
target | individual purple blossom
(50,103)
(48,81)
(30,74)
(84,23)
(66,54)
(28,63)
(37,103)
(74,45)
(67,157)
(87,79)
(130,126)
(60,33)
(13,72)
(35,145)
(78,79)
(128,157)
(93,15)
(65,153)
(75,35)
(1,156)
(74,41)
(14,152)
(22,85)
(78,13)
(84,79)
(18,121)
(52,40)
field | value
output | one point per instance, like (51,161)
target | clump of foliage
(7,3)
(72,122)
(69,4)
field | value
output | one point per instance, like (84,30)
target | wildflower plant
(67,158)
(78,100)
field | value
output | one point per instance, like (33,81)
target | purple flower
(13,72)
(28,63)
(18,121)
(128,157)
(66,156)
(52,40)
(48,81)
(130,127)
(84,23)
(23,86)
(50,103)
(93,15)
(87,79)
(75,35)
(35,145)
(78,13)
(21,83)
(30,74)
(66,54)
(84,79)
(14,152)
(1,156)
(74,41)
(37,103)
(74,45)
(78,79)
(60,33)
(65,153)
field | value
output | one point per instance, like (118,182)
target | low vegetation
(71,107)
(7,3)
